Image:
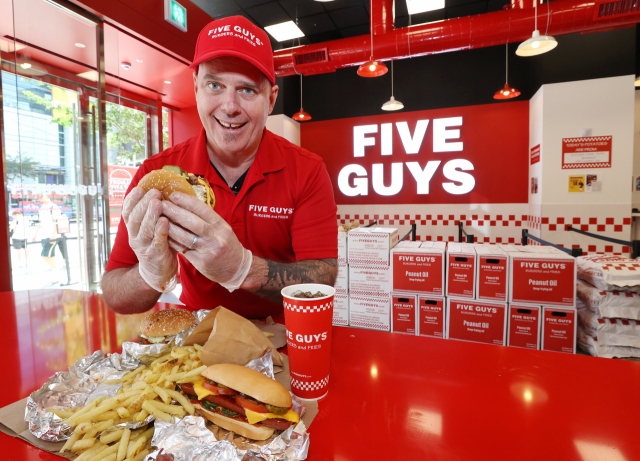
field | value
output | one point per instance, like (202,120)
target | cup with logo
(309,323)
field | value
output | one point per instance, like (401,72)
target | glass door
(53,88)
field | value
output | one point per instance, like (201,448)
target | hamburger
(172,179)
(163,326)
(241,400)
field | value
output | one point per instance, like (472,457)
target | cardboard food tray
(251,343)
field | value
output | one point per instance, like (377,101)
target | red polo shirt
(285,211)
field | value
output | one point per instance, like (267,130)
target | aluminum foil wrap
(87,379)
(191,440)
(146,353)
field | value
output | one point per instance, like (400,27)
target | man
(19,236)
(274,220)
(48,215)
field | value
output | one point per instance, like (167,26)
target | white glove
(207,241)
(148,238)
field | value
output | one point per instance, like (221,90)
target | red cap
(239,37)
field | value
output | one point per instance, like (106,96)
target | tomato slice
(227,402)
(252,405)
(218,390)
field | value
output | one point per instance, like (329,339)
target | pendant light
(372,68)
(507,92)
(301,116)
(392,104)
(537,44)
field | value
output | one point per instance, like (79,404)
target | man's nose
(230,103)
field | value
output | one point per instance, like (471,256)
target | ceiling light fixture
(420,6)
(284,31)
(392,104)
(301,116)
(507,92)
(139,60)
(372,68)
(125,65)
(25,65)
(167,82)
(80,45)
(537,44)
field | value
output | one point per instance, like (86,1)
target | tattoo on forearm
(280,275)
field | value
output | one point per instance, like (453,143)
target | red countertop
(391,396)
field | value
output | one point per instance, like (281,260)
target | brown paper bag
(230,338)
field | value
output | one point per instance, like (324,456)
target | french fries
(147,390)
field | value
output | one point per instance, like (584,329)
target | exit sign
(176,14)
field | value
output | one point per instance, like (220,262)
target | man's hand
(148,238)
(206,240)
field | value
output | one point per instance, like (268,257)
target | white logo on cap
(239,32)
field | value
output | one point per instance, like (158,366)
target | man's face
(234,100)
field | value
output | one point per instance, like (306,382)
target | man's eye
(214,85)
(247,91)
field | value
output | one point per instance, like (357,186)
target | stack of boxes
(494,294)
(608,292)
(418,285)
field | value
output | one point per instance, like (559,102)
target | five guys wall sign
(475,154)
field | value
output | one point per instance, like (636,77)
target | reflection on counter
(57,327)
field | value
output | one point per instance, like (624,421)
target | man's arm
(125,292)
(266,278)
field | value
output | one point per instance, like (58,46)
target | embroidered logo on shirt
(274,212)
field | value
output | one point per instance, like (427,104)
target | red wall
(186,124)
(495,140)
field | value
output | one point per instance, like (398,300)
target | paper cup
(308,322)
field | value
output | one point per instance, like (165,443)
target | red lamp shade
(302,116)
(372,69)
(506,93)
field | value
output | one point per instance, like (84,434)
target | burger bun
(167,322)
(239,427)
(167,182)
(249,382)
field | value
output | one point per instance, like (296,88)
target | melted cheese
(255,417)
(201,392)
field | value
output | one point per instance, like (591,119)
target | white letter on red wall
(412,144)
(360,141)
(386,138)
(451,172)
(378,179)
(421,176)
(441,134)
(360,182)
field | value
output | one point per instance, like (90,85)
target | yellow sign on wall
(576,183)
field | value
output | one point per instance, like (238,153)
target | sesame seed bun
(166,182)
(249,382)
(239,427)
(167,322)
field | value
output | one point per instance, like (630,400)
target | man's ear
(273,95)
(195,81)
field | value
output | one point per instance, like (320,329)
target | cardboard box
(371,281)
(418,270)
(525,326)
(461,271)
(408,244)
(439,245)
(492,277)
(431,316)
(370,246)
(542,279)
(404,316)
(340,309)
(342,247)
(559,329)
(342,280)
(477,321)
(370,313)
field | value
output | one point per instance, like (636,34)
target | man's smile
(230,126)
